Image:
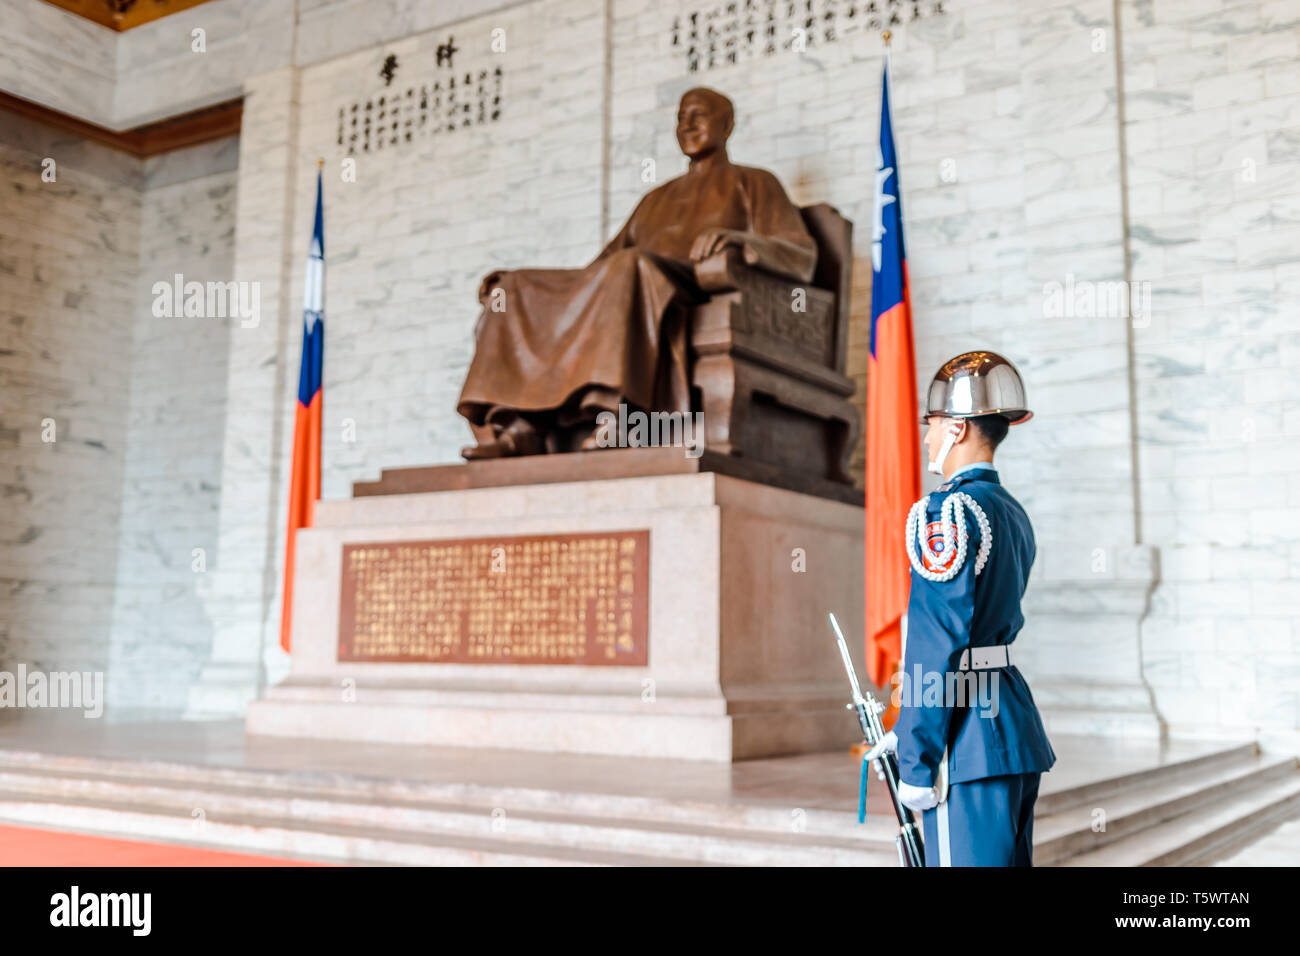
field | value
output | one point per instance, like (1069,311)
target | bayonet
(868,710)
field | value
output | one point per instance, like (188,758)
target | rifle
(908,840)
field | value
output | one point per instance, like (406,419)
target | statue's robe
(617,327)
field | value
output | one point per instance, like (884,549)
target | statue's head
(704,121)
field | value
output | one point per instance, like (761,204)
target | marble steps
(1175,812)
(1200,836)
(1116,723)
(1132,810)
(769,817)
(239,817)
(288,840)
(1089,794)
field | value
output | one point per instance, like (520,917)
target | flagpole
(887,36)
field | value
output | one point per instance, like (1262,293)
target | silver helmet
(977,383)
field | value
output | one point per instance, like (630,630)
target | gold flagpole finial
(320,163)
(887,35)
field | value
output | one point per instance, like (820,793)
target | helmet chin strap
(950,439)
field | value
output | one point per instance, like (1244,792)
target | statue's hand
(715,240)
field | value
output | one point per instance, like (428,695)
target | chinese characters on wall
(738,30)
(420,98)
(547,599)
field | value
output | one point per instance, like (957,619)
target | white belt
(985,658)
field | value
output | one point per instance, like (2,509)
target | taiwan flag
(304,481)
(893,440)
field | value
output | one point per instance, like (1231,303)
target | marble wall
(68,255)
(175,421)
(182,62)
(1212,161)
(49,56)
(112,419)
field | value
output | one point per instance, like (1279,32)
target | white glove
(918,798)
(887,744)
(914,798)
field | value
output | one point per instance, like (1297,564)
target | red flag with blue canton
(304,480)
(893,443)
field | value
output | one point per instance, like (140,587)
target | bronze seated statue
(718,296)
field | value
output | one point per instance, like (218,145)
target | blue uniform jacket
(942,618)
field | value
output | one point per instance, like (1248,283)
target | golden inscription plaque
(539,599)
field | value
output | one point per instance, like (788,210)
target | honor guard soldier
(970,743)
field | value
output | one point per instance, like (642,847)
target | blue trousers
(987,822)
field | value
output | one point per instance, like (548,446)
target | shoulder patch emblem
(935,555)
(943,543)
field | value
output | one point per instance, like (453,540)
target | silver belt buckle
(985,658)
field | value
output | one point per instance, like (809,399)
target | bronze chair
(770,378)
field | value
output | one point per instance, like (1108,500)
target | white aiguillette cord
(952,525)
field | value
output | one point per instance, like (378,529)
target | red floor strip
(22,846)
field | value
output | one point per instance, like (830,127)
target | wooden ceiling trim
(124,14)
(153,139)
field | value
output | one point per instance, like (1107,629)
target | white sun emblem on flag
(883,199)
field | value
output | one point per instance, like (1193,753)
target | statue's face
(702,125)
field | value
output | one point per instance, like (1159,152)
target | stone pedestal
(741,661)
